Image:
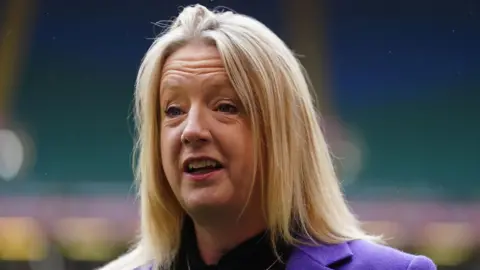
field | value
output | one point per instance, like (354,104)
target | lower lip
(201,177)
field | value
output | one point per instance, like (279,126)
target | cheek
(169,152)
(248,155)
(243,143)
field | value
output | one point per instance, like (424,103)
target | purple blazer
(353,255)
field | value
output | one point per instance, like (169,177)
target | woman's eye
(173,111)
(227,108)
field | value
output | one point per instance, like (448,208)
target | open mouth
(202,166)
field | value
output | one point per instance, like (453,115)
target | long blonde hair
(301,188)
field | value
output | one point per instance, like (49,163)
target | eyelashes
(174,111)
(227,108)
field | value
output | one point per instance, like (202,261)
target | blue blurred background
(398,83)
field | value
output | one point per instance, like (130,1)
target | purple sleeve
(421,263)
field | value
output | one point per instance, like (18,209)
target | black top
(255,253)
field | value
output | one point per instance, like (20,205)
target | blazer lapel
(319,257)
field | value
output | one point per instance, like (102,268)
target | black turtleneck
(255,253)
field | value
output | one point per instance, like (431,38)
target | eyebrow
(168,84)
(173,88)
(169,93)
(218,82)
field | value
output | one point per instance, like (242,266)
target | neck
(214,239)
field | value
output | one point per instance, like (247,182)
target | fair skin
(203,119)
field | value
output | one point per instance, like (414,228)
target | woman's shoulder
(377,256)
(359,255)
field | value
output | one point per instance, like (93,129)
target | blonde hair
(301,188)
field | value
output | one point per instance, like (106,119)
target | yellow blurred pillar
(306,22)
(13,42)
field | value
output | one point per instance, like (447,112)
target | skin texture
(203,117)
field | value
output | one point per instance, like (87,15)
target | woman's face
(206,142)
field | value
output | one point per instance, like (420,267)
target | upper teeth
(201,164)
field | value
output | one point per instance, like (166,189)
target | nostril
(183,139)
(192,139)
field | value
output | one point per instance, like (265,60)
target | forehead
(194,61)
(196,52)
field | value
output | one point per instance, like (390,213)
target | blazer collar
(318,256)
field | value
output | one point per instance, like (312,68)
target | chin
(201,201)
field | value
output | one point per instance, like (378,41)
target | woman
(233,169)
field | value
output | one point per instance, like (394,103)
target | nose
(195,132)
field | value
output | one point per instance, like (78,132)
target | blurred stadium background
(398,83)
